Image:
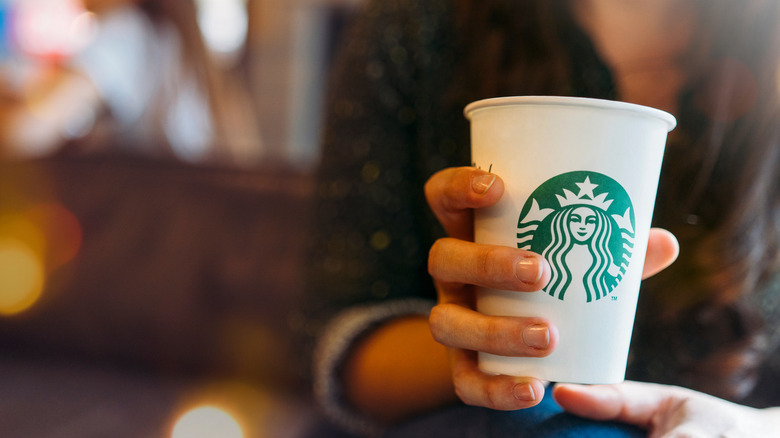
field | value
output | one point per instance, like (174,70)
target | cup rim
(669,119)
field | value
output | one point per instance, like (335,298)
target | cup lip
(669,119)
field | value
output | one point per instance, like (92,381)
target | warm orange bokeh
(32,245)
(22,276)
(207,421)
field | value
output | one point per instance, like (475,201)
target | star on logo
(586,188)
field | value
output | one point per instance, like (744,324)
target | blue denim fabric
(545,420)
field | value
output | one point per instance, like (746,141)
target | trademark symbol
(614,298)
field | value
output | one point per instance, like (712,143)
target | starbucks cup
(580,179)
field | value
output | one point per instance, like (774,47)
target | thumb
(662,251)
(628,402)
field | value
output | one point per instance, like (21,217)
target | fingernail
(536,336)
(482,183)
(524,391)
(528,270)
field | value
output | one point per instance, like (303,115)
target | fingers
(495,392)
(453,193)
(459,327)
(628,402)
(662,251)
(498,267)
(506,268)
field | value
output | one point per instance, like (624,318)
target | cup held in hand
(580,181)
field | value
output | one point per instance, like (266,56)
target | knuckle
(459,383)
(429,190)
(436,321)
(460,391)
(434,256)
(492,395)
(435,188)
(491,335)
(492,266)
(498,338)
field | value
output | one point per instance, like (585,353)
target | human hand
(667,411)
(457,265)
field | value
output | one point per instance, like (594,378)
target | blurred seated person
(145,83)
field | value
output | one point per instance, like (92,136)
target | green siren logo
(582,223)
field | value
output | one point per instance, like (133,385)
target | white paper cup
(580,182)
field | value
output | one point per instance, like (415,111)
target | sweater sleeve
(333,347)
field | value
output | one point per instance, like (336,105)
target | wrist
(336,347)
(398,370)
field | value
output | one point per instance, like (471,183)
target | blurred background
(156,162)
(273,52)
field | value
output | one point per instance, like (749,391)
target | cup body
(580,177)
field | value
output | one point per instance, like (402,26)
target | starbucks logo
(582,223)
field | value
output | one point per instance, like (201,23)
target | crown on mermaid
(585,196)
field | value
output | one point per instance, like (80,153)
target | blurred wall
(290,45)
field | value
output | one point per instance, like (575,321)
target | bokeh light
(224,25)
(22,228)
(214,409)
(52,28)
(207,422)
(34,242)
(62,230)
(22,276)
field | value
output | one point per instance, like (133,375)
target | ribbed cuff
(332,349)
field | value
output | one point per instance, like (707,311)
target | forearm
(398,370)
